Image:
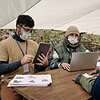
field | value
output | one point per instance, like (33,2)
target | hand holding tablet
(42,50)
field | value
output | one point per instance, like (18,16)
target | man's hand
(66,66)
(27,59)
(43,60)
(93,73)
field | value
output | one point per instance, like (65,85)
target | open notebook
(83,60)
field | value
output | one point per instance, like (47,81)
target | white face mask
(72,40)
(25,35)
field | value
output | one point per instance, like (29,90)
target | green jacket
(86,83)
(64,54)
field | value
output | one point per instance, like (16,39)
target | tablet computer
(43,48)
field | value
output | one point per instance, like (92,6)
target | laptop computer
(83,61)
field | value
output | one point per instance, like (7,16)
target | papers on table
(30,80)
(98,65)
(87,75)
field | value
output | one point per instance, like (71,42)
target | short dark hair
(25,20)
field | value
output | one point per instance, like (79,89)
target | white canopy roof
(58,14)
(10,9)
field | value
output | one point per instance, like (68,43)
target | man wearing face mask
(61,56)
(16,55)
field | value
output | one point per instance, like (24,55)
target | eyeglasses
(27,30)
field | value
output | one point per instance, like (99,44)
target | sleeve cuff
(19,63)
(59,65)
(77,80)
(97,71)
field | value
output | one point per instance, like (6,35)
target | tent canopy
(57,14)
(10,9)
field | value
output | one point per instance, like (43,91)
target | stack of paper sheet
(98,65)
(30,80)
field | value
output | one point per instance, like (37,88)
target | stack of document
(98,65)
(30,80)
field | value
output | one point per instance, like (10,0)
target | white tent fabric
(60,14)
(89,23)
(10,9)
